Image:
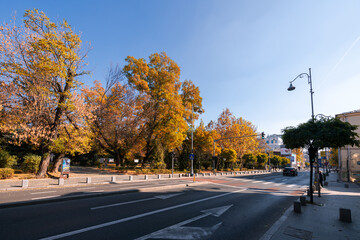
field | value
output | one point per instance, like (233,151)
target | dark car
(290,171)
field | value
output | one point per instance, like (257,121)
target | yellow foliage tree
(228,126)
(41,62)
(159,80)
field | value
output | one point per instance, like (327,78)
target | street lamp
(312,151)
(291,88)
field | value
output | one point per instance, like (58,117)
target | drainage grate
(298,233)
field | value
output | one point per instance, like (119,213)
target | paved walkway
(321,220)
(84,176)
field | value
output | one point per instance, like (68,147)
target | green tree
(322,133)
(275,161)
(284,161)
(261,160)
(249,160)
(228,155)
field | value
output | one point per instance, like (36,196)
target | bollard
(159,176)
(146,177)
(61,181)
(170,175)
(113,179)
(88,179)
(345,215)
(179,175)
(25,183)
(297,207)
(346,185)
(130,178)
(303,200)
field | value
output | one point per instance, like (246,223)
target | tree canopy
(321,133)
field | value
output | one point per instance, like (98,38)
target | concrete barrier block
(297,207)
(25,183)
(61,181)
(113,179)
(170,175)
(303,200)
(88,180)
(159,176)
(130,178)
(146,177)
(345,215)
(179,175)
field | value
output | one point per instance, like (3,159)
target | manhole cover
(298,233)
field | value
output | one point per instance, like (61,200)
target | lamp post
(192,138)
(312,150)
(291,88)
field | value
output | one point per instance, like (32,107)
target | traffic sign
(191,156)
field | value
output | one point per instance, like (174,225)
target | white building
(349,156)
(274,142)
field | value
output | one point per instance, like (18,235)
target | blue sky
(241,54)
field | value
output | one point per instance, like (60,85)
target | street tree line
(143,111)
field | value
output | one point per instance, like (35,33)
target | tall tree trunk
(117,158)
(57,163)
(44,164)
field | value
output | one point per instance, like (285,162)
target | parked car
(290,171)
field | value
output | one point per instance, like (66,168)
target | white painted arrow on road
(178,231)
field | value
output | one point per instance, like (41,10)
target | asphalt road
(227,207)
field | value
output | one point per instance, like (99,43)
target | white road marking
(278,184)
(123,203)
(137,216)
(267,183)
(95,191)
(292,185)
(178,231)
(85,188)
(45,197)
(165,196)
(225,185)
(42,192)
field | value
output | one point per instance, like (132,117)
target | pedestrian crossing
(272,181)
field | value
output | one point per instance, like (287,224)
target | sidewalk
(86,176)
(321,219)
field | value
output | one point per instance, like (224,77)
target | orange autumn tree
(158,79)
(41,61)
(119,124)
(228,126)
